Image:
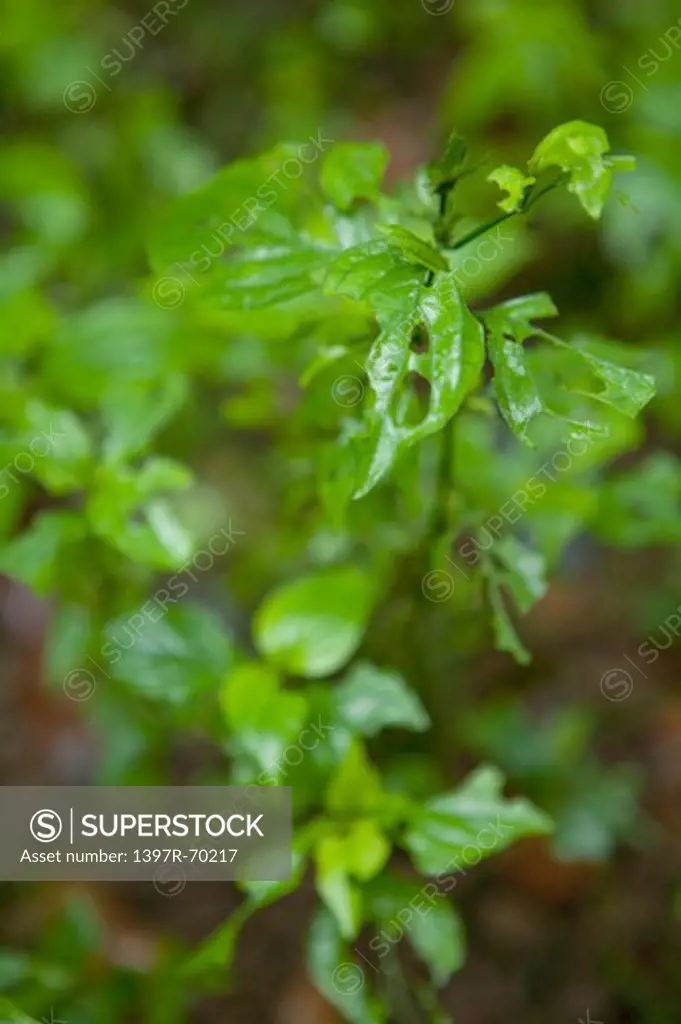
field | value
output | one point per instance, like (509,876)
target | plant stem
(472,235)
(525,207)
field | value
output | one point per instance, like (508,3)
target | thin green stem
(488,225)
(481,230)
(541,333)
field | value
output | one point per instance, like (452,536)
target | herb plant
(403,422)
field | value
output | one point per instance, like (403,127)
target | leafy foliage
(392,449)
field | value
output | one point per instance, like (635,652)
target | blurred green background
(109,113)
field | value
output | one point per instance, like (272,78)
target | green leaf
(375,273)
(413,248)
(514,386)
(366,849)
(336,975)
(112,343)
(67,640)
(312,626)
(518,313)
(353,170)
(217,951)
(270,275)
(451,364)
(123,508)
(514,182)
(339,894)
(626,390)
(370,699)
(446,170)
(38,556)
(355,788)
(522,572)
(11,1014)
(577,148)
(62,448)
(247,203)
(505,635)
(439,938)
(175,656)
(133,414)
(452,823)
(262,717)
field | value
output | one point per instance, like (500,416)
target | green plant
(381,474)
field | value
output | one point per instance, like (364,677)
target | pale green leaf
(474,817)
(366,849)
(514,182)
(262,717)
(355,788)
(626,390)
(312,626)
(370,699)
(577,148)
(340,895)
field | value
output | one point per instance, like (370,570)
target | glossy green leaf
(247,203)
(270,275)
(370,699)
(514,182)
(451,363)
(624,389)
(415,249)
(312,626)
(515,388)
(578,148)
